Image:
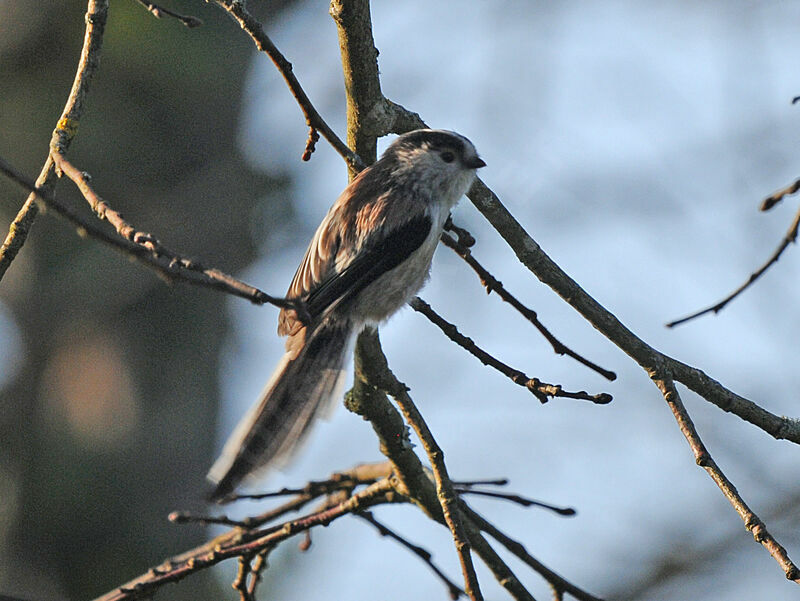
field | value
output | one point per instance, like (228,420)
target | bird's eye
(448,157)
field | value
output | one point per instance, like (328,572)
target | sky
(634,141)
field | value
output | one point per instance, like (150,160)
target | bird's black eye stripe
(448,157)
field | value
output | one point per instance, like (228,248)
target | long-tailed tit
(370,255)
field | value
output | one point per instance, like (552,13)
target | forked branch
(64,132)
(141,245)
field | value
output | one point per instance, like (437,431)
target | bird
(369,256)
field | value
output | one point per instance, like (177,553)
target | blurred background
(633,140)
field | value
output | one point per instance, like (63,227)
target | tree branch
(362,83)
(142,246)
(368,400)
(425,555)
(248,542)
(703,458)
(251,26)
(159,12)
(559,584)
(361,77)
(67,127)
(492,284)
(385,380)
(541,390)
(789,238)
(372,114)
(774,198)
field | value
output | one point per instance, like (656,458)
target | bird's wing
(321,285)
(374,259)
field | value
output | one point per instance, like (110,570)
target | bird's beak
(475,163)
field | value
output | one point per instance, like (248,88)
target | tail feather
(301,386)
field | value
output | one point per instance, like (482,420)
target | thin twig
(363,473)
(703,458)
(425,555)
(291,506)
(471,483)
(518,499)
(499,568)
(315,491)
(444,486)
(239,543)
(159,12)
(516,548)
(774,198)
(492,284)
(67,127)
(314,120)
(541,390)
(186,517)
(311,144)
(143,246)
(240,582)
(789,238)
(257,567)
(376,493)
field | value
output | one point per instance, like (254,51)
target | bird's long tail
(300,386)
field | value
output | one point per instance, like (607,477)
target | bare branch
(143,246)
(789,238)
(240,582)
(492,284)
(381,376)
(314,120)
(244,543)
(361,76)
(774,198)
(96,14)
(159,12)
(425,555)
(471,483)
(365,473)
(186,517)
(373,113)
(518,499)
(311,144)
(368,400)
(499,568)
(559,584)
(703,458)
(541,390)
(257,567)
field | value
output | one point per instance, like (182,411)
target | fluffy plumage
(370,255)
